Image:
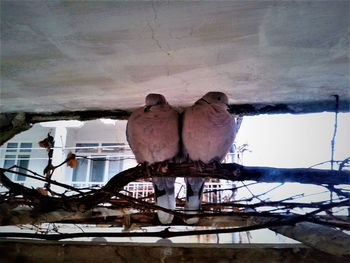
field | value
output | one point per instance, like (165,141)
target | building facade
(102,152)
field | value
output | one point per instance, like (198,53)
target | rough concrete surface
(44,251)
(101,55)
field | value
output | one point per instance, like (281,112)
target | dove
(153,135)
(208,131)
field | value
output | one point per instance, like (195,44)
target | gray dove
(153,135)
(208,132)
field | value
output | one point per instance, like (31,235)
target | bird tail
(164,190)
(194,186)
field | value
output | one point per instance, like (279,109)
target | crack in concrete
(185,82)
(154,39)
(155,18)
(123,259)
(154,12)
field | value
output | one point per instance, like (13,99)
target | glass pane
(12,147)
(9,157)
(79,173)
(97,169)
(115,166)
(23,163)
(10,160)
(25,147)
(112,147)
(87,148)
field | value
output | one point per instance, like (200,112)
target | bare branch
(234,172)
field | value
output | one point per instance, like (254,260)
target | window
(79,173)
(25,147)
(96,168)
(10,160)
(23,163)
(92,170)
(12,147)
(86,148)
(14,156)
(115,166)
(112,147)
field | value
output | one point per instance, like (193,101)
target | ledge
(36,251)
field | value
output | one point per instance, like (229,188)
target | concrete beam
(39,251)
(320,237)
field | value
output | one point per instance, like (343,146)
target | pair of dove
(204,132)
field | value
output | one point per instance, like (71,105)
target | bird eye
(219,98)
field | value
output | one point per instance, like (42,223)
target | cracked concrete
(58,56)
(34,251)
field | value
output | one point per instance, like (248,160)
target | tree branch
(236,172)
(162,234)
(233,172)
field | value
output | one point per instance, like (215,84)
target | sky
(287,140)
(294,140)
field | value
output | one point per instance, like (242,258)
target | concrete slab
(101,55)
(45,251)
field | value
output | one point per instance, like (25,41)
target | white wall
(98,131)
(38,155)
(67,134)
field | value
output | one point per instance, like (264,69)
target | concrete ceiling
(82,55)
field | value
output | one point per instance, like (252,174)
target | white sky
(294,140)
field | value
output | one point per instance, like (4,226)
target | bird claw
(161,167)
(164,167)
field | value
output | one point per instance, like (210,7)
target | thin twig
(41,178)
(335,129)
(167,234)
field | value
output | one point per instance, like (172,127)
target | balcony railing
(213,192)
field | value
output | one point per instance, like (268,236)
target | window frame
(99,152)
(18,152)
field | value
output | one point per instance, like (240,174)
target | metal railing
(213,192)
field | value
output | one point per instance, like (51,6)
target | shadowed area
(69,56)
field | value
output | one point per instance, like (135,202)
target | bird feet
(164,191)
(194,190)
(156,168)
(162,167)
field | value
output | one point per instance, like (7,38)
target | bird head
(154,99)
(215,97)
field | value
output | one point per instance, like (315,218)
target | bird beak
(147,108)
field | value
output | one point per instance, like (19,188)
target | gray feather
(153,135)
(207,134)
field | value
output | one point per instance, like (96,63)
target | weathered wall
(41,251)
(102,55)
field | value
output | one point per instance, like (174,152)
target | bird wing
(153,136)
(207,134)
